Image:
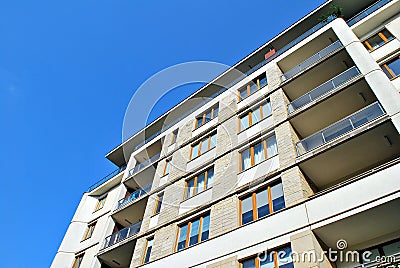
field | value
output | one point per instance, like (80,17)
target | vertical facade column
(379,83)
(307,251)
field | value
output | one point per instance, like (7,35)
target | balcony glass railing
(312,60)
(135,195)
(366,12)
(324,88)
(345,125)
(235,81)
(106,178)
(122,234)
(144,164)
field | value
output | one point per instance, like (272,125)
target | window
(392,68)
(167,167)
(100,203)
(204,145)
(207,116)
(255,115)
(193,232)
(280,258)
(378,40)
(255,85)
(258,152)
(77,261)
(174,136)
(147,252)
(199,183)
(89,231)
(386,249)
(157,207)
(262,203)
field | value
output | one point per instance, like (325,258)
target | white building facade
(278,167)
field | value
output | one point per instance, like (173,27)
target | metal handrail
(106,178)
(368,11)
(144,164)
(240,78)
(122,234)
(135,195)
(312,60)
(340,128)
(324,88)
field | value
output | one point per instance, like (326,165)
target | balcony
(118,248)
(134,196)
(342,127)
(312,60)
(324,88)
(106,178)
(122,234)
(368,11)
(144,164)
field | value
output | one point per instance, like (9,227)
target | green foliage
(334,10)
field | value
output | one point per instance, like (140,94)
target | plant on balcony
(334,11)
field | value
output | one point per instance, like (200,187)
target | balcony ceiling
(131,213)
(357,154)
(360,230)
(119,256)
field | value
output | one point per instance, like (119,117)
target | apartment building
(300,151)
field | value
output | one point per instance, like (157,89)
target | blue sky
(67,72)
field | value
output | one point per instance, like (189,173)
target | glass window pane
(159,203)
(278,202)
(182,237)
(208,116)
(285,257)
(195,151)
(267,109)
(199,121)
(255,116)
(244,122)
(267,260)
(375,41)
(148,250)
(395,66)
(210,179)
(200,183)
(272,147)
(253,88)
(243,93)
(246,161)
(205,228)
(189,189)
(392,248)
(204,146)
(194,233)
(262,203)
(167,166)
(251,263)
(247,210)
(258,153)
(213,140)
(215,112)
